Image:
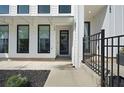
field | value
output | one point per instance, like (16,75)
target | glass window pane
(4,9)
(23,32)
(44,39)
(44,32)
(23,9)
(4,31)
(43,8)
(64,8)
(23,39)
(86,36)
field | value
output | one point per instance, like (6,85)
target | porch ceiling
(91,10)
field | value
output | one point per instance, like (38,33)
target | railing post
(102,58)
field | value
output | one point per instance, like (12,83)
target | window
(86,36)
(23,9)
(43,8)
(64,8)
(4,9)
(4,31)
(43,38)
(23,39)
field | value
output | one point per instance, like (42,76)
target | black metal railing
(112,62)
(104,58)
(95,58)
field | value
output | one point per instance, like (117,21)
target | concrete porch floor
(62,73)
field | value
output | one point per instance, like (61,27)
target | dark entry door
(64,42)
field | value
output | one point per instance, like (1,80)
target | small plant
(122,50)
(17,81)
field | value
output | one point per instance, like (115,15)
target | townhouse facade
(51,31)
(40,31)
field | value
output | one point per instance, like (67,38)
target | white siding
(114,21)
(54,9)
(33,9)
(113,24)
(13,10)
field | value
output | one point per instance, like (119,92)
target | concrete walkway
(62,73)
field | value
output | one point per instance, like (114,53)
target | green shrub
(17,81)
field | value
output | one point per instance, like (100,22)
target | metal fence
(105,58)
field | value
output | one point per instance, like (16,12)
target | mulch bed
(36,77)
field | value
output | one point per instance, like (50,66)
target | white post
(80,32)
(78,35)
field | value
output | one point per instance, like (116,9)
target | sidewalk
(83,77)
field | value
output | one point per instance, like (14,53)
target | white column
(12,38)
(78,35)
(73,45)
(80,32)
(33,38)
(53,40)
(74,36)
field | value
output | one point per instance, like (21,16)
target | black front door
(64,42)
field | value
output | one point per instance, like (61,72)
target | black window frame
(60,12)
(49,38)
(18,37)
(89,33)
(8,39)
(18,9)
(7,11)
(43,12)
